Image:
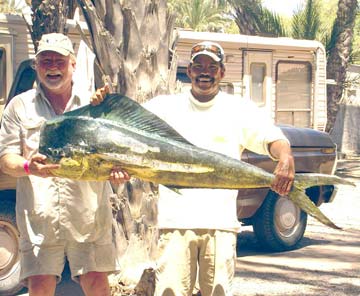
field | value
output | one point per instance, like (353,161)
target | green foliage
(306,23)
(12,6)
(198,15)
(271,23)
(232,27)
(254,19)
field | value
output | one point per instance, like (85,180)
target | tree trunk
(48,16)
(133,41)
(338,59)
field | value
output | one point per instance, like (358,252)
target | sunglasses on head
(210,48)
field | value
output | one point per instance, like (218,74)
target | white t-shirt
(227,124)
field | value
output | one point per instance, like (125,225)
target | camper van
(286,77)
(283,76)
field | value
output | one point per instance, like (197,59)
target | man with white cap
(198,227)
(58,219)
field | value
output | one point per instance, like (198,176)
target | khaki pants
(184,254)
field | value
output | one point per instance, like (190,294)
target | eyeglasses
(218,51)
(48,62)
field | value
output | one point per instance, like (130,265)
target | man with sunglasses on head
(198,227)
(58,219)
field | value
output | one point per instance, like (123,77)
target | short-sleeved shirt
(51,209)
(227,124)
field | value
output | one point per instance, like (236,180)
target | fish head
(54,155)
(61,144)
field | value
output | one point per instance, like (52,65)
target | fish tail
(304,181)
(298,197)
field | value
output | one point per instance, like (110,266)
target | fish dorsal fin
(121,109)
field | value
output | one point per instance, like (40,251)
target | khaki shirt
(51,209)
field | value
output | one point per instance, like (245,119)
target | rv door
(257,77)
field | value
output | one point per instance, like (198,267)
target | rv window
(257,90)
(293,93)
(2,76)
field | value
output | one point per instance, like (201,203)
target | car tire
(9,250)
(279,224)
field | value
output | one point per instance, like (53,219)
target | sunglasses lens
(210,48)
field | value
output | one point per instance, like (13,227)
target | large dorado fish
(90,141)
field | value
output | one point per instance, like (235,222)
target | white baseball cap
(209,48)
(55,42)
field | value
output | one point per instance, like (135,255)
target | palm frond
(199,15)
(254,19)
(306,22)
(12,6)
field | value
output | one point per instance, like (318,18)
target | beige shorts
(82,257)
(185,256)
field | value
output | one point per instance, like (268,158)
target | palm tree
(306,23)
(339,55)
(254,19)
(199,15)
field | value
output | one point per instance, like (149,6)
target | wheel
(9,250)
(279,224)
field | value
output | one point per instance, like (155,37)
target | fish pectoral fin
(298,197)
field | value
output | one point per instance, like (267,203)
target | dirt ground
(327,262)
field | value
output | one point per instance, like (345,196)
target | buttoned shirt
(227,124)
(51,209)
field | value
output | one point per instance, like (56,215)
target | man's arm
(17,166)
(285,169)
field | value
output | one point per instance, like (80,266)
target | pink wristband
(26,167)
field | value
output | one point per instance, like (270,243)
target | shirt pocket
(30,137)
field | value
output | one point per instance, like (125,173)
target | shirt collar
(202,105)
(74,102)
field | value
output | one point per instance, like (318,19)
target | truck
(259,72)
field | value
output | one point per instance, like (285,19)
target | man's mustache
(205,77)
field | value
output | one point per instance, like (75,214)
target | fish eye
(55,152)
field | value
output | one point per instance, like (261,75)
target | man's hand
(118,176)
(99,95)
(284,176)
(285,169)
(38,166)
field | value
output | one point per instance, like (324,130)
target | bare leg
(95,284)
(42,285)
